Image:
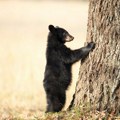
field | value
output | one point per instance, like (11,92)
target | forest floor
(82,113)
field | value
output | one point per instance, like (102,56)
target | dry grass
(81,113)
(23,35)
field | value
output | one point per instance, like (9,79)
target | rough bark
(99,76)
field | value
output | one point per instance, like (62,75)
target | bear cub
(57,76)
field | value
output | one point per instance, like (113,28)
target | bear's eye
(64,34)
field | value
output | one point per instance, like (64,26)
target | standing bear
(57,76)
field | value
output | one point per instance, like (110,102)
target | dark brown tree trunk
(99,76)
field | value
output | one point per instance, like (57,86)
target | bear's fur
(58,75)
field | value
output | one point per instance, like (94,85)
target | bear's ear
(51,28)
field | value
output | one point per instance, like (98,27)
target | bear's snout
(69,38)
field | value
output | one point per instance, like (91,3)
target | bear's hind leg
(49,103)
(59,101)
(56,102)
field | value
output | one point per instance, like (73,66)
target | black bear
(57,76)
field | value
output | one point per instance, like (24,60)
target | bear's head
(61,34)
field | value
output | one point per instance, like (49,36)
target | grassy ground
(23,35)
(81,113)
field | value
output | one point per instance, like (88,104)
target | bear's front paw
(91,45)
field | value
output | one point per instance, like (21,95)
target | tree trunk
(99,76)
